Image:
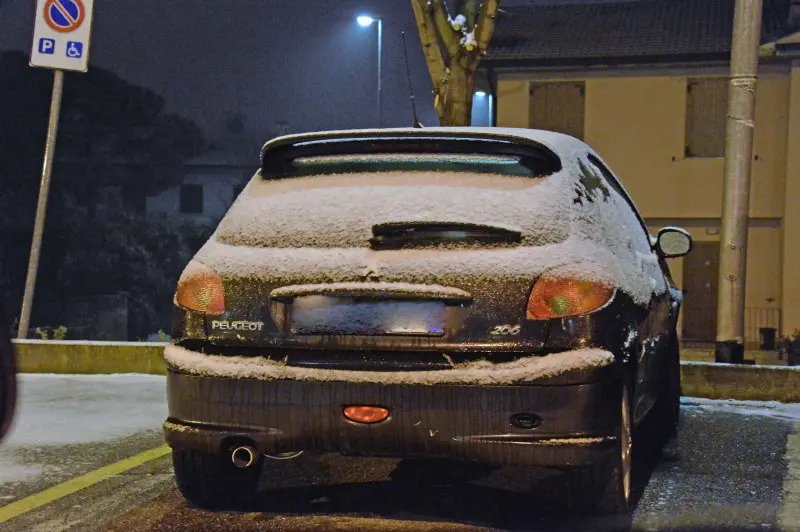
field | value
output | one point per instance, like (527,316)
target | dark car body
(267,368)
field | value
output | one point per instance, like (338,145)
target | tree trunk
(453,47)
(457,110)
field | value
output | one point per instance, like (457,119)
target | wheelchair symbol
(74,49)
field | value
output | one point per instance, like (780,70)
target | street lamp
(365,21)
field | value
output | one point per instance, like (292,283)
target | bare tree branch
(450,37)
(485,27)
(430,46)
(471,12)
(453,48)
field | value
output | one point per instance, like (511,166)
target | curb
(75,356)
(742,382)
(698,379)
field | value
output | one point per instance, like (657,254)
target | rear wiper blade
(398,235)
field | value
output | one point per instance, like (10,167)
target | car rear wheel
(212,481)
(605,488)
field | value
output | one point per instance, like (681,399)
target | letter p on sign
(47,46)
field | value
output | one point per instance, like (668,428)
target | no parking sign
(61,42)
(61,34)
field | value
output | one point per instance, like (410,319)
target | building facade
(210,184)
(651,99)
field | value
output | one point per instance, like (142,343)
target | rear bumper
(462,422)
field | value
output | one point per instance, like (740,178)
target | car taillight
(559,298)
(200,288)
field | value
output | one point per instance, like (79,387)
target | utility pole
(380,60)
(365,21)
(736,189)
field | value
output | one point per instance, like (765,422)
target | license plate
(345,315)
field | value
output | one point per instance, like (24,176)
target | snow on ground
(790,411)
(72,409)
(59,414)
(58,410)
(11,471)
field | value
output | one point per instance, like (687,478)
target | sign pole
(61,35)
(41,206)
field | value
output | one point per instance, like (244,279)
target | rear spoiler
(278,155)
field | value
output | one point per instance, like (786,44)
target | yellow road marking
(789,514)
(15,509)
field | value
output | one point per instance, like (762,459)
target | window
(614,183)
(706,109)
(509,165)
(191,199)
(609,177)
(557,107)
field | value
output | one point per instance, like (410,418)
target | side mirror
(673,242)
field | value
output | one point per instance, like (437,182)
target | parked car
(8,375)
(481,294)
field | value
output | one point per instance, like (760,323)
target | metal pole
(41,206)
(736,197)
(380,52)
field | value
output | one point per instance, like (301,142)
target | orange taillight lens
(366,414)
(558,298)
(200,288)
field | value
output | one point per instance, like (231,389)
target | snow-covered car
(481,294)
(8,375)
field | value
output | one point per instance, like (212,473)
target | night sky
(284,65)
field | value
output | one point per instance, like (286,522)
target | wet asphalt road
(728,470)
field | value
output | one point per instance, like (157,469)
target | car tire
(604,488)
(212,481)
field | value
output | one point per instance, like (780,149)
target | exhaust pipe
(244,456)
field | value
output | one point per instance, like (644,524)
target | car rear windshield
(398,194)
(506,165)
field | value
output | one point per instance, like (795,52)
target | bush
(125,252)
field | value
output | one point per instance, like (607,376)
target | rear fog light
(366,414)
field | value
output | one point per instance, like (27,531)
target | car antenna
(417,123)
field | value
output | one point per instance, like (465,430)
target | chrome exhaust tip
(244,456)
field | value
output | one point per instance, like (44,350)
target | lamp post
(365,21)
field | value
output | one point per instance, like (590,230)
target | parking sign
(61,34)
